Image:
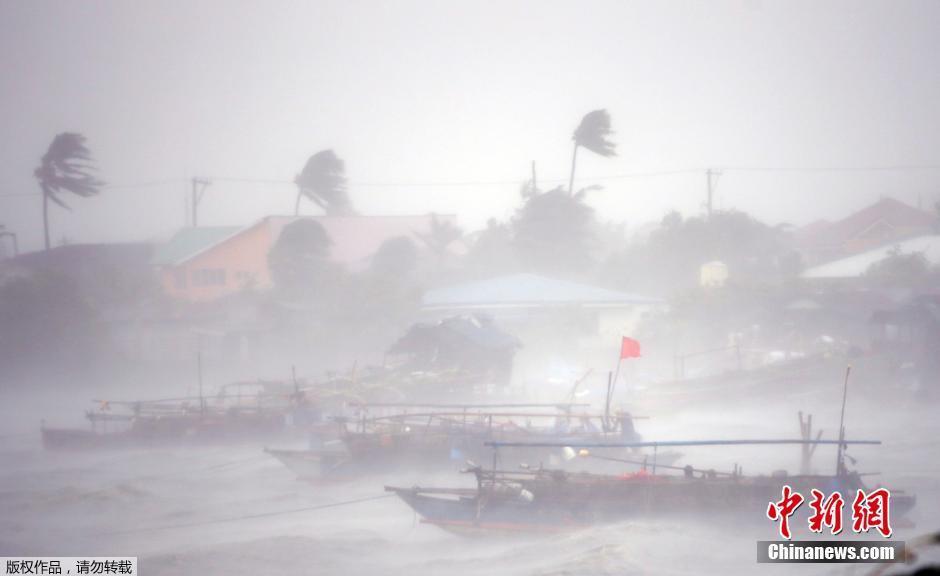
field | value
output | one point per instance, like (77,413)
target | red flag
(629,348)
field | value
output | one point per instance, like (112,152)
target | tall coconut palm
(65,167)
(323,182)
(592,134)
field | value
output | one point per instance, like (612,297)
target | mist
(275,278)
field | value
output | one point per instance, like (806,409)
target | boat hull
(168,431)
(560,501)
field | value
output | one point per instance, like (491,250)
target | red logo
(871,511)
(868,511)
(826,513)
(785,508)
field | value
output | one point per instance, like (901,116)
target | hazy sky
(415,95)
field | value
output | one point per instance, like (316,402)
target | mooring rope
(255,458)
(248,516)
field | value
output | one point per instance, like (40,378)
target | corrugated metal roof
(188,242)
(857,265)
(528,290)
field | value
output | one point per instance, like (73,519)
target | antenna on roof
(199,188)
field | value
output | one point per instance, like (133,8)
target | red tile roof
(884,221)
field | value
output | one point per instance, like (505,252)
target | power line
(149,184)
(126,186)
(812,169)
(445,183)
(624,176)
(516,181)
(251,180)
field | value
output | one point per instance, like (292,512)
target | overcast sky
(417,96)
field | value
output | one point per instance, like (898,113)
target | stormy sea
(235,510)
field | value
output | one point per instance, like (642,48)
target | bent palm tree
(323,181)
(592,134)
(65,167)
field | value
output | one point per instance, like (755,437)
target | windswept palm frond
(593,133)
(67,167)
(323,182)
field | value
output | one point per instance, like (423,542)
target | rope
(248,516)
(255,458)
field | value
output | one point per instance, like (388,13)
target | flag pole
(633,352)
(616,374)
(612,384)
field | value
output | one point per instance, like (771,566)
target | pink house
(200,264)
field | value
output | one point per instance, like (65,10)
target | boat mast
(840,452)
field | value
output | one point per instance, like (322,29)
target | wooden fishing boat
(235,413)
(548,500)
(444,439)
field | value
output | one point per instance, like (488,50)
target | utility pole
(711,185)
(199,188)
(534,181)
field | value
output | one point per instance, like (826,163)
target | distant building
(855,267)
(713,274)
(200,264)
(879,224)
(98,270)
(566,326)
(106,289)
(471,344)
(515,293)
(910,335)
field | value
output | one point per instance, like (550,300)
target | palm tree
(442,233)
(65,167)
(299,261)
(592,134)
(323,181)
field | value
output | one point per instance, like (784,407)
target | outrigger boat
(548,500)
(445,437)
(240,411)
(553,499)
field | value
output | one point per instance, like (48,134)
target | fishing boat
(443,437)
(240,411)
(550,500)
